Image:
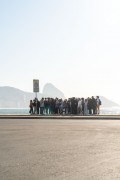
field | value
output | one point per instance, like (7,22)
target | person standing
(38,106)
(98,104)
(93,105)
(89,106)
(31,107)
(86,107)
(42,106)
(79,107)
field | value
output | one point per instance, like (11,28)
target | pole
(36,102)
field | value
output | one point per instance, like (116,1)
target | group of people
(71,106)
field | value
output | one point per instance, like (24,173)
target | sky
(73,44)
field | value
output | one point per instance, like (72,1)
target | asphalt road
(59,149)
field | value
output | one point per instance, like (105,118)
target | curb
(97,117)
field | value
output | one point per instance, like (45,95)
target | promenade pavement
(59,149)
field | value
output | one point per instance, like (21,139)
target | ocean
(110,110)
(25,111)
(16,111)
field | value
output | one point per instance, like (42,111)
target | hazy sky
(73,44)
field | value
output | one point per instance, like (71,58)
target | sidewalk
(56,149)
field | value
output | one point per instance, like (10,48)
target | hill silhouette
(108,103)
(11,97)
(50,90)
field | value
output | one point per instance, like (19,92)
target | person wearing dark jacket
(93,104)
(31,107)
(89,106)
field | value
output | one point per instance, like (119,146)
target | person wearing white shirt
(79,107)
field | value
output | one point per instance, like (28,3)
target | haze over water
(25,111)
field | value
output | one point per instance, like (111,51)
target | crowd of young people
(71,106)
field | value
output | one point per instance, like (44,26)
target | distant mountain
(50,90)
(11,97)
(107,103)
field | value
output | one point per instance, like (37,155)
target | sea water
(16,111)
(110,110)
(25,111)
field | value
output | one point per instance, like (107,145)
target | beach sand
(32,149)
